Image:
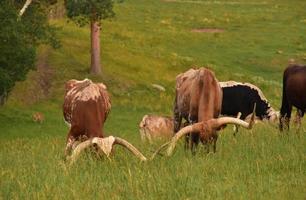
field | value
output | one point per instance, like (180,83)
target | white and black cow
(241,97)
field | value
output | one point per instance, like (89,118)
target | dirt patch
(207,30)
(45,73)
(37,85)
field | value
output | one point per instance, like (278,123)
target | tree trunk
(95,67)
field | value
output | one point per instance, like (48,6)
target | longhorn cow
(198,99)
(86,107)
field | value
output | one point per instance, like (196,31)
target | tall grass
(151,42)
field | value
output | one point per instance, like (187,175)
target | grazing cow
(86,106)
(198,99)
(153,126)
(294,93)
(241,97)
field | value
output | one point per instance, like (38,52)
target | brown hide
(153,126)
(198,99)
(294,93)
(86,106)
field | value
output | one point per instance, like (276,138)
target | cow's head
(273,116)
(105,146)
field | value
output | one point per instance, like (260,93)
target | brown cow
(199,99)
(294,93)
(86,107)
(153,126)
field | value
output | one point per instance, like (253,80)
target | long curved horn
(187,129)
(231,120)
(158,150)
(130,147)
(78,149)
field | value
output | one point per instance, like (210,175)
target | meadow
(150,42)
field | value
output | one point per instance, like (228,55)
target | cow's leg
(177,117)
(194,142)
(298,119)
(194,137)
(285,116)
(74,136)
(286,108)
(69,143)
(205,145)
(288,117)
(187,138)
(187,141)
(215,138)
(193,118)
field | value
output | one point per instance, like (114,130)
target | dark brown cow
(86,106)
(294,93)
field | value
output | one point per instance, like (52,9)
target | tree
(91,12)
(19,38)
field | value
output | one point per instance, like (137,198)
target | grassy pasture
(151,42)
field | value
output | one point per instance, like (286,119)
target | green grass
(151,42)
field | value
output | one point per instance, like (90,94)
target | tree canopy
(83,11)
(19,38)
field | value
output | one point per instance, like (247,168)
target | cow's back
(86,109)
(295,85)
(211,101)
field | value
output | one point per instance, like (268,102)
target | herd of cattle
(205,104)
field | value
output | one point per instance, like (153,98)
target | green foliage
(83,11)
(19,38)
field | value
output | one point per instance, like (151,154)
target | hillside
(150,42)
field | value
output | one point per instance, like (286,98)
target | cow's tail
(284,97)
(285,104)
(208,98)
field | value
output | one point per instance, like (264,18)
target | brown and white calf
(155,127)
